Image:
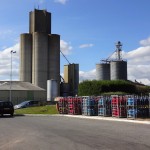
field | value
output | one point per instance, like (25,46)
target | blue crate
(101,101)
(131,113)
(101,111)
(88,102)
(130,101)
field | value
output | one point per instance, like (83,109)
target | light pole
(11,52)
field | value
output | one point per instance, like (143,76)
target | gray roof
(19,86)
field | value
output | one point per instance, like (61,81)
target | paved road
(65,133)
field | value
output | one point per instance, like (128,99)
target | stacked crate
(104,106)
(74,105)
(131,107)
(118,104)
(89,106)
(143,107)
(63,105)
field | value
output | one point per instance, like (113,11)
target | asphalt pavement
(62,132)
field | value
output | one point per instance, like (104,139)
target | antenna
(65,57)
(118,50)
(34,5)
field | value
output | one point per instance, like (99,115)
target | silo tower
(40,51)
(118,67)
(118,50)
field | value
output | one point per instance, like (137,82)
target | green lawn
(49,109)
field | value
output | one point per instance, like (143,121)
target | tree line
(96,87)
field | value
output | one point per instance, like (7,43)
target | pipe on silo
(40,59)
(118,70)
(26,57)
(54,58)
(102,71)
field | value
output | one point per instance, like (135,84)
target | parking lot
(61,132)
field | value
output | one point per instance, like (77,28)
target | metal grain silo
(26,57)
(54,58)
(40,59)
(103,71)
(52,90)
(118,70)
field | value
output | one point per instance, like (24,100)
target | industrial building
(112,69)
(71,77)
(40,65)
(40,51)
(20,91)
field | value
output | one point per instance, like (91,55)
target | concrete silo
(40,59)
(103,71)
(40,21)
(26,57)
(40,51)
(118,70)
(71,76)
(54,58)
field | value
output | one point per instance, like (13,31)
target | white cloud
(5,62)
(65,47)
(86,45)
(61,1)
(89,75)
(145,42)
(139,64)
(140,55)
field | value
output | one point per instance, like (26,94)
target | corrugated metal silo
(103,71)
(26,57)
(52,90)
(40,59)
(118,70)
(54,58)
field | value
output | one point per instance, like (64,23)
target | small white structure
(52,89)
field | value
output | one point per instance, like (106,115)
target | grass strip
(48,109)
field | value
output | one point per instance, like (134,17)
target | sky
(88,29)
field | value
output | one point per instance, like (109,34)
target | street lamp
(11,52)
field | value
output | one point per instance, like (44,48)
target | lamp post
(11,52)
